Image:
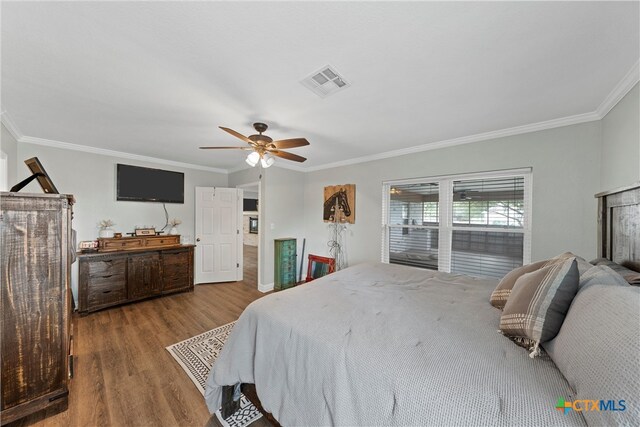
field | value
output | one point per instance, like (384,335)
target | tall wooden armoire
(36,302)
(285,263)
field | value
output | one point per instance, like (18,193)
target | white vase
(106,233)
(173,231)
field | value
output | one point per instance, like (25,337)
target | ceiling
(157,78)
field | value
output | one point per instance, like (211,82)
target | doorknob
(197,239)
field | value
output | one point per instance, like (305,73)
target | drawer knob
(106,292)
(107,276)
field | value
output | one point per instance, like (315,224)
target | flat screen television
(249,205)
(140,184)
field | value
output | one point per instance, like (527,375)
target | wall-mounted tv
(140,184)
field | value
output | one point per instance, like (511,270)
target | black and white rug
(196,355)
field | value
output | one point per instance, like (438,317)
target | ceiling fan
(263,148)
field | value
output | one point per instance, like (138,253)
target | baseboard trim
(264,288)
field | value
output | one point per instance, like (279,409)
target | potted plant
(105,228)
(175,222)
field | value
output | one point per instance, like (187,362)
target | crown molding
(617,93)
(290,166)
(239,168)
(620,90)
(21,138)
(11,126)
(517,130)
(113,153)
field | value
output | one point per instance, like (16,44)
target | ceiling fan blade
(237,135)
(287,156)
(290,143)
(226,148)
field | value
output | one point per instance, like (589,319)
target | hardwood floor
(123,374)
(250,264)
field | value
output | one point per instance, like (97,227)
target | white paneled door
(218,236)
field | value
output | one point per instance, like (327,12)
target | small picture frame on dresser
(145,232)
(88,246)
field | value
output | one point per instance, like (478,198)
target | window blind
(412,232)
(472,224)
(487,226)
(485,253)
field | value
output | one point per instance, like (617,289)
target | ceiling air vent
(325,81)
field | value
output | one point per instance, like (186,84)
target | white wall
(250,195)
(565,164)
(282,213)
(9,146)
(245,176)
(621,143)
(91,178)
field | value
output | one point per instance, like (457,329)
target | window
(476,224)
(412,231)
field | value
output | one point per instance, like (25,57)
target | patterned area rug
(196,356)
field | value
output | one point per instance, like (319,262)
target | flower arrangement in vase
(105,228)
(175,222)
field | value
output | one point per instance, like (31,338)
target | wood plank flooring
(250,265)
(125,377)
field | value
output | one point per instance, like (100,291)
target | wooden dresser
(116,277)
(285,263)
(36,302)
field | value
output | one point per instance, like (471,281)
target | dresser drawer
(107,267)
(173,258)
(172,283)
(110,279)
(118,244)
(102,292)
(175,270)
(162,241)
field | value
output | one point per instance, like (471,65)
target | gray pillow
(538,303)
(632,277)
(583,264)
(598,350)
(598,275)
(601,275)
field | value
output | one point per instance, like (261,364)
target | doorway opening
(251,230)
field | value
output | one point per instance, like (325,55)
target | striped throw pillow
(538,304)
(501,293)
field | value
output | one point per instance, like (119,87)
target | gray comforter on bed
(379,344)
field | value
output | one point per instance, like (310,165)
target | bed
(380,344)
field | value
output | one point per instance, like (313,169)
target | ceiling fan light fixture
(263,148)
(267,160)
(253,158)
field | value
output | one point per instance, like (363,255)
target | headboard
(619,225)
